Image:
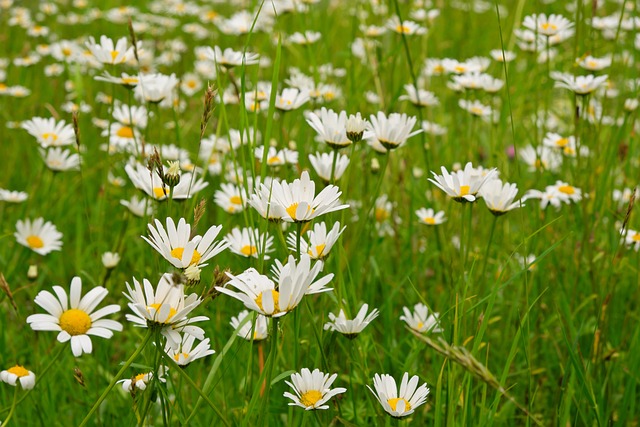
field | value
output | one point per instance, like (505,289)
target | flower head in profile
(19,374)
(166,307)
(177,246)
(323,165)
(430,217)
(403,402)
(140,381)
(75,317)
(260,293)
(331,127)
(580,85)
(251,331)
(462,185)
(547,25)
(351,327)
(312,389)
(421,319)
(108,52)
(318,242)
(499,196)
(39,236)
(248,242)
(391,131)
(186,353)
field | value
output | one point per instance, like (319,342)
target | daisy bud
(193,275)
(355,127)
(110,260)
(375,165)
(32,273)
(631,104)
(172,177)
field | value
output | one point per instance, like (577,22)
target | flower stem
(13,406)
(126,365)
(271,361)
(488,250)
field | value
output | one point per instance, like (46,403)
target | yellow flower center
(562,142)
(66,51)
(177,356)
(464,190)
(460,68)
(274,159)
(249,250)
(125,132)
(139,377)
(382,214)
(566,189)
(159,192)
(172,311)
(191,84)
(114,55)
(430,221)
(177,253)
(476,110)
(129,80)
(547,26)
(211,14)
(236,200)
(319,250)
(394,403)
(310,398)
(419,326)
(52,136)
(403,29)
(18,371)
(35,242)
(636,237)
(75,322)
(276,297)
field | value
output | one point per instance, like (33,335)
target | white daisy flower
(138,206)
(230,58)
(421,320)
(107,52)
(13,196)
(155,88)
(110,260)
(74,317)
(323,164)
(186,353)
(547,25)
(392,131)
(277,157)
(153,186)
(39,236)
(248,242)
(499,196)
(430,217)
(312,389)
(166,306)
(140,381)
(403,402)
(476,108)
(581,85)
(317,243)
(291,99)
(420,98)
(461,185)
(48,132)
(59,160)
(351,327)
(15,374)
(232,198)
(330,126)
(177,246)
(298,201)
(258,292)
(260,327)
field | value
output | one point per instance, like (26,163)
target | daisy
(351,328)
(248,242)
(402,403)
(497,55)
(356,126)
(499,196)
(331,127)
(17,374)
(312,389)
(186,353)
(107,52)
(59,160)
(419,98)
(591,63)
(546,26)
(405,27)
(461,185)
(140,381)
(135,116)
(39,236)
(291,99)
(319,242)
(48,132)
(421,320)
(231,198)
(13,196)
(138,206)
(323,165)
(476,108)
(155,88)
(126,80)
(392,131)
(542,158)
(259,328)
(309,37)
(261,202)
(166,307)
(295,280)
(153,186)
(554,140)
(430,217)
(110,260)
(177,246)
(74,317)
(581,85)
(277,157)
(565,192)
(630,238)
(230,58)
(298,200)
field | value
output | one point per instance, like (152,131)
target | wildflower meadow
(319,213)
